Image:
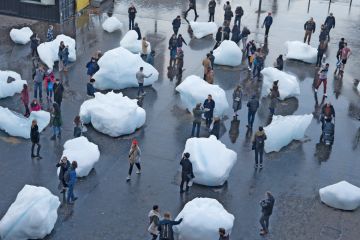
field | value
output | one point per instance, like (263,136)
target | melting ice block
(130,42)
(202,29)
(112,24)
(9,88)
(228,53)
(301,51)
(21,36)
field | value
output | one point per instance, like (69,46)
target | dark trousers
(33,147)
(251,118)
(154,236)
(237,20)
(27,111)
(183,180)
(211,17)
(208,121)
(258,153)
(38,88)
(141,88)
(267,28)
(132,165)
(197,126)
(191,8)
(58,102)
(34,52)
(131,23)
(176,30)
(217,44)
(264,221)
(318,59)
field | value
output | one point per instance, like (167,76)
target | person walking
(134,158)
(309,28)
(49,80)
(144,48)
(154,217)
(176,23)
(244,36)
(166,227)
(267,206)
(140,76)
(267,23)
(173,42)
(329,24)
(227,6)
(71,183)
(223,235)
(212,59)
(58,92)
(137,30)
(323,36)
(322,78)
(90,89)
(212,6)
(218,38)
(209,105)
(341,46)
(237,97)
(250,52)
(206,64)
(327,112)
(186,172)
(25,99)
(274,95)
(64,165)
(279,64)
(92,67)
(63,55)
(253,106)
(132,14)
(345,53)
(228,15)
(179,63)
(50,33)
(192,6)
(320,53)
(35,139)
(56,121)
(235,37)
(197,113)
(38,81)
(239,12)
(258,145)
(179,43)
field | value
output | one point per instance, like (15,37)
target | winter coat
(310,26)
(144,47)
(267,205)
(49,81)
(176,23)
(39,75)
(72,177)
(323,34)
(179,42)
(167,224)
(245,32)
(218,36)
(35,107)
(237,103)
(216,129)
(137,29)
(207,64)
(58,92)
(268,21)
(154,218)
(56,118)
(34,134)
(280,63)
(212,5)
(63,168)
(173,43)
(259,140)
(239,12)
(25,96)
(90,90)
(63,54)
(209,105)
(187,169)
(253,105)
(330,22)
(235,34)
(92,67)
(34,42)
(134,155)
(132,12)
(197,112)
(228,15)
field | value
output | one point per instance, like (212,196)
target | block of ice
(358,88)
(341,195)
(301,51)
(48,51)
(113,114)
(211,160)
(21,36)
(130,42)
(202,218)
(17,125)
(31,216)
(288,84)
(202,29)
(284,129)
(195,90)
(85,153)
(8,89)
(228,54)
(112,24)
(118,69)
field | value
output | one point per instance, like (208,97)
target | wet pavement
(110,208)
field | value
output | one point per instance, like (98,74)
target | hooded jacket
(34,134)
(259,140)
(253,104)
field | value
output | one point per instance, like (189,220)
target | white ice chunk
(118,69)
(301,51)
(341,195)
(195,90)
(112,24)
(358,88)
(113,114)
(48,51)
(228,54)
(17,125)
(9,89)
(211,160)
(21,36)
(130,42)
(31,216)
(202,218)
(288,84)
(284,129)
(85,153)
(202,29)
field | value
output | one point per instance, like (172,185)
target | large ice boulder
(284,129)
(9,88)
(85,153)
(113,114)
(228,54)
(288,84)
(211,160)
(21,36)
(31,216)
(118,69)
(48,51)
(301,51)
(112,24)
(202,218)
(195,90)
(341,195)
(17,125)
(202,29)
(130,42)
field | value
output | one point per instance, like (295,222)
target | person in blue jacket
(267,23)
(209,105)
(92,67)
(165,227)
(71,183)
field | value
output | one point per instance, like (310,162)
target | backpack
(165,232)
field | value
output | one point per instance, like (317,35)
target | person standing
(345,53)
(179,63)
(341,46)
(38,81)
(192,6)
(132,14)
(50,33)
(92,67)
(267,23)
(228,15)
(212,59)
(140,76)
(320,53)
(173,49)
(279,63)
(267,206)
(209,105)
(154,217)
(150,58)
(258,145)
(322,78)
(223,235)
(212,6)
(329,24)
(227,6)
(166,227)
(134,158)
(197,113)
(244,36)
(64,165)
(309,28)
(78,129)
(137,30)
(235,37)
(239,12)
(237,97)
(34,43)
(327,112)
(250,52)
(179,43)
(253,106)
(25,99)
(49,80)
(56,121)
(144,48)
(206,64)
(58,92)
(90,89)
(35,139)
(274,95)
(215,130)
(63,55)
(186,172)
(176,23)
(218,37)
(71,183)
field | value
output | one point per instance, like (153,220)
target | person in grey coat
(140,76)
(197,112)
(237,96)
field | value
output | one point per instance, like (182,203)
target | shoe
(75,198)
(38,156)
(256,165)
(138,172)
(263,232)
(260,166)
(128,178)
(59,136)
(144,93)
(62,191)
(316,90)
(182,191)
(53,137)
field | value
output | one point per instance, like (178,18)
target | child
(49,81)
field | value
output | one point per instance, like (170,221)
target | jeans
(264,221)
(70,193)
(267,28)
(33,147)
(49,93)
(319,58)
(197,126)
(237,20)
(251,118)
(27,111)
(257,153)
(38,87)
(256,70)
(141,88)
(56,131)
(208,121)
(211,17)
(176,30)
(131,23)
(131,167)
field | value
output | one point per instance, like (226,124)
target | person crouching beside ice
(134,158)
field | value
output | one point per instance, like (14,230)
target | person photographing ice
(140,76)
(186,172)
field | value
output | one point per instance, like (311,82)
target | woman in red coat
(25,99)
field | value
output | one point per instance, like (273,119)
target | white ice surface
(130,42)
(195,90)
(202,29)
(358,88)
(112,24)
(202,218)
(118,69)
(21,36)
(288,84)
(9,89)
(284,129)
(31,216)
(341,195)
(17,125)
(211,160)
(113,114)
(48,51)
(301,51)
(228,54)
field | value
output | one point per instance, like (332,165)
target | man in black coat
(58,92)
(209,105)
(186,172)
(35,139)
(176,23)
(258,145)
(211,6)
(137,29)
(132,14)
(329,23)
(266,209)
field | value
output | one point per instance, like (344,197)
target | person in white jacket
(154,217)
